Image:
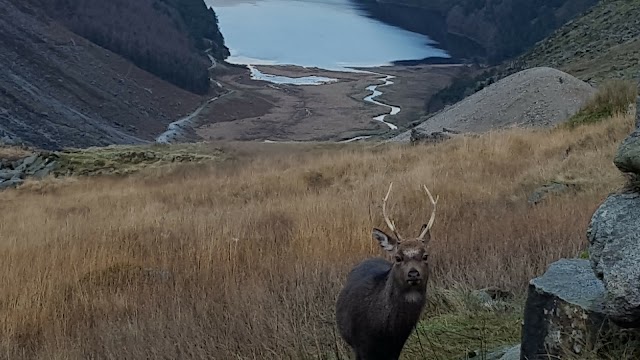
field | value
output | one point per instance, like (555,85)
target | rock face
(614,237)
(14,173)
(563,312)
(627,157)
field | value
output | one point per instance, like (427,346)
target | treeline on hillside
(164,37)
(503,28)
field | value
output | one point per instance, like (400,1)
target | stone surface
(503,353)
(563,311)
(8,184)
(614,237)
(627,157)
(45,170)
(544,191)
(7,174)
(512,353)
(35,166)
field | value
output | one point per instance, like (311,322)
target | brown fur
(381,301)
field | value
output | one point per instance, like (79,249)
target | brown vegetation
(244,259)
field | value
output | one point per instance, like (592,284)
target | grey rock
(8,174)
(45,170)
(614,251)
(8,184)
(503,353)
(563,311)
(627,158)
(512,353)
(422,136)
(36,165)
(544,191)
(23,164)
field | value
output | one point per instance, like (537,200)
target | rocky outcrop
(421,136)
(563,312)
(38,166)
(577,304)
(614,237)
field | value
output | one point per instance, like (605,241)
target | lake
(332,34)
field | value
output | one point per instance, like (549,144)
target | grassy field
(244,258)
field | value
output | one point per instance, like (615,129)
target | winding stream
(394,109)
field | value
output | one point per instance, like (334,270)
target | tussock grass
(613,97)
(13,153)
(243,259)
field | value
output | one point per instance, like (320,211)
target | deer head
(409,256)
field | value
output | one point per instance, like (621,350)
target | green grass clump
(614,97)
(119,159)
(459,324)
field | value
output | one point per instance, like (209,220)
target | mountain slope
(164,37)
(532,98)
(60,90)
(492,30)
(602,44)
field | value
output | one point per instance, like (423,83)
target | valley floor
(242,257)
(259,110)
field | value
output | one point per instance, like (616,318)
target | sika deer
(381,302)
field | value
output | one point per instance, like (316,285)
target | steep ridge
(58,89)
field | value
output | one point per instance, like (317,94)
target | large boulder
(563,311)
(614,237)
(627,157)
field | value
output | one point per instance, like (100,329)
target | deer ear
(427,237)
(386,242)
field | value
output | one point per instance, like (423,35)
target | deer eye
(425,257)
(398,258)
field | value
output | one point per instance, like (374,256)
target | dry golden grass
(12,152)
(244,259)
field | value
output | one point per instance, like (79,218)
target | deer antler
(390,224)
(433,213)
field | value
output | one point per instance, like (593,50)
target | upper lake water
(330,34)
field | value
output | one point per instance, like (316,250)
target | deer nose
(413,274)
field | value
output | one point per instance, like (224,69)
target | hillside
(487,30)
(537,97)
(58,89)
(242,257)
(602,44)
(164,37)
